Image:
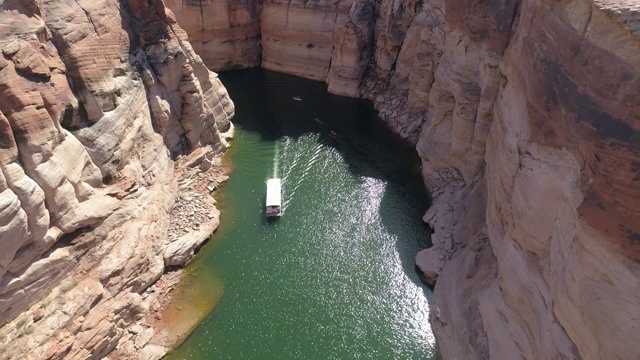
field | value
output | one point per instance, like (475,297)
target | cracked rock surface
(104,110)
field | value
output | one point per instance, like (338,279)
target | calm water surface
(333,278)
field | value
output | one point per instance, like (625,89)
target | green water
(334,278)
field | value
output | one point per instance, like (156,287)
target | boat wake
(297,158)
(276,161)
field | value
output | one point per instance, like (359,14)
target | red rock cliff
(527,118)
(97,100)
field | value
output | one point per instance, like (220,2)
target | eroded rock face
(573,187)
(97,99)
(226,34)
(525,114)
(321,40)
(533,236)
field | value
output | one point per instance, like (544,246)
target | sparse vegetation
(46,300)
(68,285)
(26,330)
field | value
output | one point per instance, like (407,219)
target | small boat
(274,198)
(332,134)
(297,98)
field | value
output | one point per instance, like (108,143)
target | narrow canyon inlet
(334,278)
(113,136)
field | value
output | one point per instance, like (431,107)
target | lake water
(334,278)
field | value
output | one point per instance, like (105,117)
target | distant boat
(274,198)
(297,98)
(332,134)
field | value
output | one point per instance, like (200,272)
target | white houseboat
(274,198)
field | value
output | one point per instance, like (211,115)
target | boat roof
(273,192)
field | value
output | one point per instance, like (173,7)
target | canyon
(524,113)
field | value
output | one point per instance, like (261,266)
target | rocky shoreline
(139,327)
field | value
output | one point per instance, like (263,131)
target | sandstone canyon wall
(97,100)
(226,34)
(527,118)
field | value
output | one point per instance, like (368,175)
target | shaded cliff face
(97,99)
(526,116)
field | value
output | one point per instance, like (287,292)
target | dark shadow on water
(267,107)
(266,103)
(270,220)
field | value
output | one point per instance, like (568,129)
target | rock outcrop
(525,114)
(97,101)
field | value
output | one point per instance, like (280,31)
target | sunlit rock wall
(226,34)
(96,100)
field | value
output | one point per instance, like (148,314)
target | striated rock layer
(527,118)
(226,34)
(97,100)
